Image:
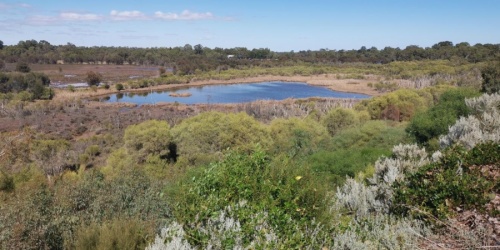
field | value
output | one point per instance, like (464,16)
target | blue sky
(278,25)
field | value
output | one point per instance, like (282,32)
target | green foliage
(399,105)
(296,136)
(147,139)
(93,78)
(491,78)
(202,138)
(118,161)
(51,155)
(354,150)
(370,134)
(455,181)
(6,182)
(249,184)
(115,234)
(484,154)
(119,87)
(428,125)
(23,67)
(340,118)
(30,86)
(386,86)
(123,210)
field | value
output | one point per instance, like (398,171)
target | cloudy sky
(278,25)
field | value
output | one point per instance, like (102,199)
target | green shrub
(340,118)
(202,138)
(6,182)
(355,149)
(116,234)
(491,78)
(435,121)
(23,67)
(247,185)
(119,87)
(454,181)
(93,78)
(294,136)
(147,139)
(399,105)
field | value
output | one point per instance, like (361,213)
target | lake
(234,93)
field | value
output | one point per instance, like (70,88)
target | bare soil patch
(76,73)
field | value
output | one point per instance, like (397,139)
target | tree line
(204,58)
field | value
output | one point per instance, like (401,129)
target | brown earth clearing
(76,73)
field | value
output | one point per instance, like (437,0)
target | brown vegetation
(185,94)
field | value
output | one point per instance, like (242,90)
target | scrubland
(415,166)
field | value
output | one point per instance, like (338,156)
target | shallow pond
(234,93)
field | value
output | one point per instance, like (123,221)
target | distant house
(230,56)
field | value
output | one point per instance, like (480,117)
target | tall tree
(198,49)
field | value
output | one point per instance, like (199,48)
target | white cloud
(114,15)
(4,6)
(41,20)
(73,16)
(185,15)
(127,15)
(63,16)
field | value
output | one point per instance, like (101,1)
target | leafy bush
(93,78)
(202,138)
(115,234)
(354,149)
(370,134)
(119,87)
(339,118)
(6,182)
(150,138)
(31,86)
(439,188)
(428,125)
(399,105)
(246,187)
(491,78)
(23,67)
(296,136)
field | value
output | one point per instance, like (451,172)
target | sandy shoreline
(329,81)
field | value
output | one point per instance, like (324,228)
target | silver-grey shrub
(483,125)
(219,229)
(362,200)
(381,232)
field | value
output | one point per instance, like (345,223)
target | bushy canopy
(201,138)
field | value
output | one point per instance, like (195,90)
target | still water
(235,93)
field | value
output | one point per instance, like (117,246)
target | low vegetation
(408,169)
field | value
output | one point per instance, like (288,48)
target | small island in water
(184,94)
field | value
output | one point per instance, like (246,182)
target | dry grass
(185,94)
(74,73)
